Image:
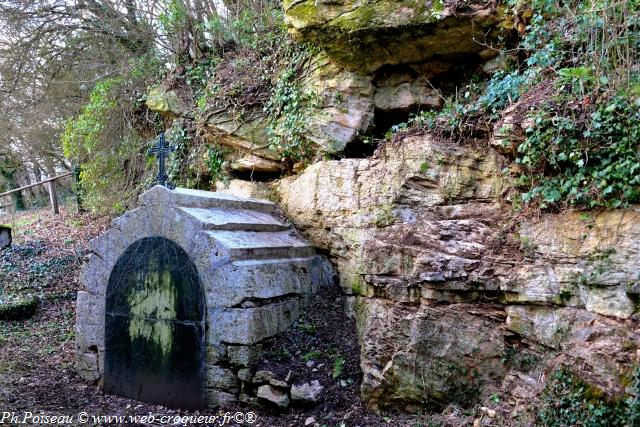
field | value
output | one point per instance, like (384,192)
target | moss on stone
(366,36)
(306,12)
(151,305)
(18,308)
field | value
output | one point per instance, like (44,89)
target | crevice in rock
(384,121)
(254,302)
(360,148)
(255,176)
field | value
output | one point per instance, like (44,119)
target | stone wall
(451,293)
(256,274)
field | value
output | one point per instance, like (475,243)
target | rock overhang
(364,36)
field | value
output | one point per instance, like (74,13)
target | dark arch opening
(155,326)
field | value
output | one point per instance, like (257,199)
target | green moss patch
(18,308)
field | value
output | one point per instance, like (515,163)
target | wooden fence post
(53,197)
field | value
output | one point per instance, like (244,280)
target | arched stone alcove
(154,326)
(185,266)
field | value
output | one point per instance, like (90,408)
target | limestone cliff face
(449,291)
(376,58)
(455,295)
(365,35)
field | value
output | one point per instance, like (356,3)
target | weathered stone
(363,36)
(165,101)
(341,205)
(216,398)
(420,223)
(245,374)
(583,262)
(262,377)
(407,96)
(202,234)
(243,355)
(251,325)
(545,325)
(427,354)
(255,164)
(242,134)
(274,396)
(344,105)
(221,378)
(248,399)
(214,354)
(246,189)
(279,383)
(499,63)
(87,366)
(307,392)
(89,336)
(240,281)
(342,108)
(5,237)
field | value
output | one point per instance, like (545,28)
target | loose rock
(262,377)
(273,395)
(307,392)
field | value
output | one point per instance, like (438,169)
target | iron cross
(161,150)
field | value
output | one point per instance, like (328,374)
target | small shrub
(311,355)
(385,216)
(106,141)
(18,308)
(214,161)
(338,366)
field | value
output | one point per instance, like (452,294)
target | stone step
(236,219)
(266,279)
(261,244)
(204,199)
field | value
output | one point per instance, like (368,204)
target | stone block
(307,392)
(248,326)
(221,378)
(273,395)
(245,375)
(243,355)
(89,336)
(90,308)
(217,398)
(87,365)
(5,237)
(215,352)
(266,279)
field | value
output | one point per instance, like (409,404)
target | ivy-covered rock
(363,36)
(18,308)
